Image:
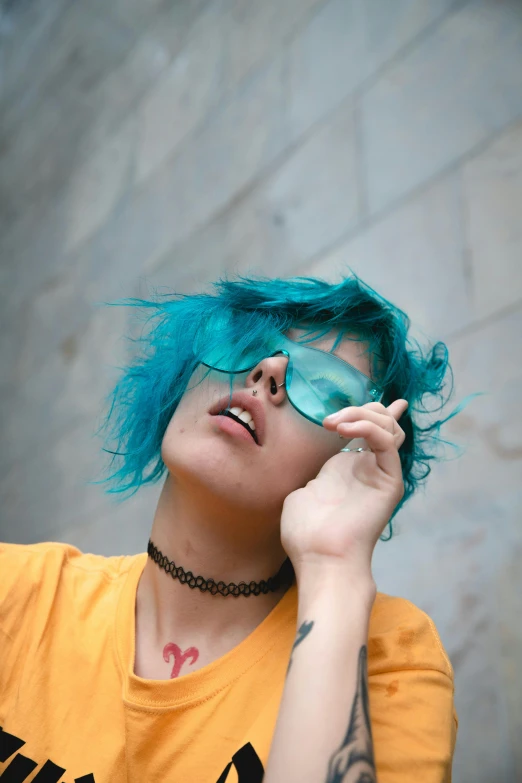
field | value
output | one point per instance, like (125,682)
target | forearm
(323,732)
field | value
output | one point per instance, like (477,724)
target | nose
(269,372)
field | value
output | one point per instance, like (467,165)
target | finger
(354,413)
(346,429)
(380,441)
(397,408)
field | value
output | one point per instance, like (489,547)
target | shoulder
(32,575)
(402,636)
(47,558)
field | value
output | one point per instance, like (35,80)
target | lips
(245,400)
(244,424)
(226,416)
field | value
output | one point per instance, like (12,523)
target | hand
(337,517)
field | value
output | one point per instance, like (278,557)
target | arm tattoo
(303,631)
(353,762)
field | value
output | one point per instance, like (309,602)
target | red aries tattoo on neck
(179,657)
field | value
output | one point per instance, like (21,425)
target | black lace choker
(285,575)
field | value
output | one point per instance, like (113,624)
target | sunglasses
(317,383)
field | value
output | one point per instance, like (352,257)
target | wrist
(335,582)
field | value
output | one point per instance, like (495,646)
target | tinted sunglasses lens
(229,358)
(223,343)
(319,385)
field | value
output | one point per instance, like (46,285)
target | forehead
(350,350)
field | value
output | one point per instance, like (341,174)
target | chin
(206,467)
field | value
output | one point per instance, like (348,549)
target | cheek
(179,432)
(170,442)
(179,424)
(193,405)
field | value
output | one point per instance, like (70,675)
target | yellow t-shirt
(71,707)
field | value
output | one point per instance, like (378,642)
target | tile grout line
(360,89)
(485,321)
(252,73)
(467,253)
(355,95)
(228,96)
(360,160)
(409,196)
(113,128)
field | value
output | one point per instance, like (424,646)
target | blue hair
(180,326)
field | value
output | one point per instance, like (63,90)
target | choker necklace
(283,576)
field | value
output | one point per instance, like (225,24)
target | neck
(209,538)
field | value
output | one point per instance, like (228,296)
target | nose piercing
(254,391)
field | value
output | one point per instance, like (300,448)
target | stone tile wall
(164,143)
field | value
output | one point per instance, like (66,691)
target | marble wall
(165,142)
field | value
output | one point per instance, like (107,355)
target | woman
(249,642)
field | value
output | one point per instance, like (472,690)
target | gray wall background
(147,141)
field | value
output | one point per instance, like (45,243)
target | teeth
(244,416)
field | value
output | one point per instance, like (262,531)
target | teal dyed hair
(180,325)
